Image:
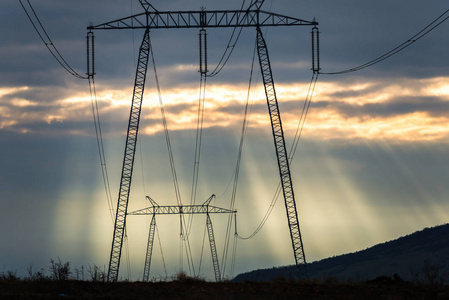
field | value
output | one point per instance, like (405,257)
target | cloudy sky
(372,163)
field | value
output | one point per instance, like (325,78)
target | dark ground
(308,290)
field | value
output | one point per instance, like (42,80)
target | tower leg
(281,153)
(128,160)
(146,269)
(213,249)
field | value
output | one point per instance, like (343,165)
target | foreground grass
(60,282)
(197,289)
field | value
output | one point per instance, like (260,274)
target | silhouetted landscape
(194,289)
(411,267)
(419,257)
(188,98)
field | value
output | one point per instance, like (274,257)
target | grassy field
(197,289)
(60,282)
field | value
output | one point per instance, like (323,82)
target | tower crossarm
(202,19)
(184,209)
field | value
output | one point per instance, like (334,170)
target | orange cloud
(401,110)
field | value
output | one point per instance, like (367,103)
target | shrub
(183,277)
(431,274)
(36,275)
(60,271)
(97,274)
(9,276)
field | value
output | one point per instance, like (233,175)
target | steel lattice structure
(153,19)
(181,209)
(202,19)
(128,160)
(146,269)
(281,153)
(204,208)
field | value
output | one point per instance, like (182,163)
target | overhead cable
(48,42)
(128,263)
(172,166)
(200,122)
(162,252)
(292,152)
(202,249)
(238,163)
(100,146)
(167,135)
(434,24)
(229,49)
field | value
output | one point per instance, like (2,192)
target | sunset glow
(335,113)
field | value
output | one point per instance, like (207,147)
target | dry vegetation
(60,282)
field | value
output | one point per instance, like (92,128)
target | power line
(167,135)
(172,165)
(198,143)
(426,30)
(430,27)
(48,42)
(128,263)
(162,252)
(202,250)
(100,146)
(229,49)
(293,149)
(237,167)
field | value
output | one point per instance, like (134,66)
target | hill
(421,256)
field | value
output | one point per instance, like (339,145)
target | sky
(371,164)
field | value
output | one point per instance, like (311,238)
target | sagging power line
(37,24)
(423,32)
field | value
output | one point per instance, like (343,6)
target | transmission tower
(254,17)
(204,208)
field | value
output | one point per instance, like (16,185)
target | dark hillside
(412,257)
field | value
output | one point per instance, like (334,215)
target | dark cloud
(372,88)
(179,109)
(352,33)
(54,128)
(237,108)
(42,96)
(433,106)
